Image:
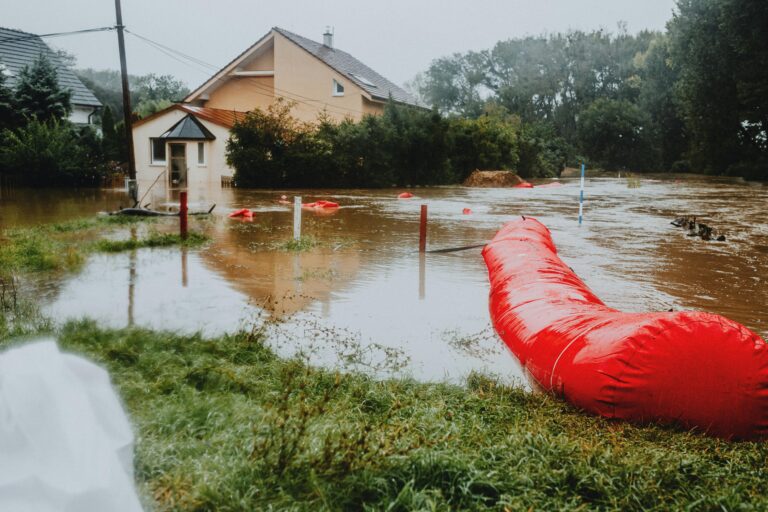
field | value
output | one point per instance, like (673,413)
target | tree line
(694,97)
(38,146)
(403,146)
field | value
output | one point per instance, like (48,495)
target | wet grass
(153,240)
(224,424)
(64,246)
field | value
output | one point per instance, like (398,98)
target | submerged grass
(64,246)
(224,424)
(153,240)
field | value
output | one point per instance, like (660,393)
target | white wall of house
(81,114)
(201,177)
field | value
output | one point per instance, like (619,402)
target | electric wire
(55,34)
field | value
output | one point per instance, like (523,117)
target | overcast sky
(397,38)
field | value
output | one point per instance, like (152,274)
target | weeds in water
(633,181)
(328,274)
(304,243)
(153,240)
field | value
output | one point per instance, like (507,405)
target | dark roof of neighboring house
(377,86)
(225,118)
(19,49)
(188,128)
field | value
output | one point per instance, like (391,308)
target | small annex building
(19,49)
(186,143)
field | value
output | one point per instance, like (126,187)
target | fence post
(183,215)
(297,217)
(581,196)
(423,229)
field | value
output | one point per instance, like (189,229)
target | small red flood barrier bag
(243,212)
(404,195)
(466,211)
(697,370)
(320,204)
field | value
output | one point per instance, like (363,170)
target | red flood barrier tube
(697,370)
(524,184)
(243,212)
(320,204)
(404,195)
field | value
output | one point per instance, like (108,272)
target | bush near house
(38,146)
(404,146)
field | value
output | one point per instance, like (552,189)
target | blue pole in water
(581,196)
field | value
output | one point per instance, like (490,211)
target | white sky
(397,38)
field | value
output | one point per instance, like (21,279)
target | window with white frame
(157,149)
(201,153)
(338,89)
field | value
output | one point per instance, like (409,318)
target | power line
(54,34)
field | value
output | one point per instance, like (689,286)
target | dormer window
(338,89)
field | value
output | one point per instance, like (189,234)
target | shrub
(50,153)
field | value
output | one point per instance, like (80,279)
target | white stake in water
(296,217)
(581,196)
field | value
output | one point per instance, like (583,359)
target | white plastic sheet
(65,442)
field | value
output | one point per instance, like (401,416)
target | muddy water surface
(363,297)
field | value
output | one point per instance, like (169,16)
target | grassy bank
(64,246)
(223,424)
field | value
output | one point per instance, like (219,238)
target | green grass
(153,240)
(223,424)
(64,246)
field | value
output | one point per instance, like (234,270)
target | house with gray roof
(19,49)
(316,77)
(184,146)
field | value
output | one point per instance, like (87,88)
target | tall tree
(8,116)
(38,93)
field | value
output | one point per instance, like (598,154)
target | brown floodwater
(364,298)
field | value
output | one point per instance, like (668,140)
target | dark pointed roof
(19,49)
(366,78)
(188,128)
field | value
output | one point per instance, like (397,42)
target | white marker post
(296,217)
(581,196)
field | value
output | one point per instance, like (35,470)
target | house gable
(283,64)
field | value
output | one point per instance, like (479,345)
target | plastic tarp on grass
(65,442)
(694,369)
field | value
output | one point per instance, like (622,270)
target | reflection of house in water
(282,282)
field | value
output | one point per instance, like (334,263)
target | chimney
(328,37)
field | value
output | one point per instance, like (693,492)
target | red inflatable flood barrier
(694,369)
(404,195)
(320,204)
(524,184)
(243,212)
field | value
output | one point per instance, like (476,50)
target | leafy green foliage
(48,153)
(719,48)
(38,94)
(8,113)
(404,146)
(615,131)
(699,91)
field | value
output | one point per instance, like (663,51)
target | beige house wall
(201,179)
(372,107)
(243,93)
(264,61)
(310,82)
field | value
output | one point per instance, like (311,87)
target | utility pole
(133,189)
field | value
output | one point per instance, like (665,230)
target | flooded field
(363,297)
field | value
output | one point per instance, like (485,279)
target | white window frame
(204,163)
(335,88)
(152,160)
